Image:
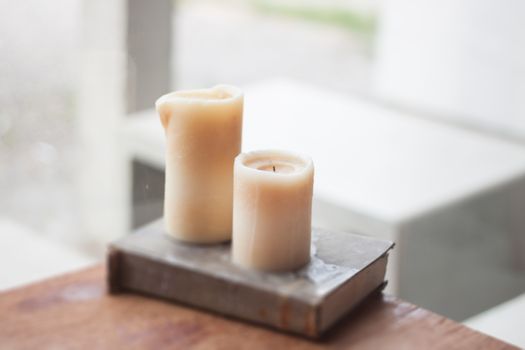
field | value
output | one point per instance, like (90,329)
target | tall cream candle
(272,210)
(203,132)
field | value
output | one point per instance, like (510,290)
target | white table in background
(451,199)
(28,256)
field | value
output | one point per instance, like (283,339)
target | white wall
(461,59)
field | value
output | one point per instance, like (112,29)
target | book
(344,269)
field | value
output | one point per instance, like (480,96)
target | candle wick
(273,166)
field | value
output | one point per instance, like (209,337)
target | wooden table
(73,311)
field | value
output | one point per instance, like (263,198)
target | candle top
(276,166)
(218,94)
(275,163)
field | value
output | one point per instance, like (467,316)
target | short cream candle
(203,132)
(272,210)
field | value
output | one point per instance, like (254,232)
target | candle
(203,133)
(272,210)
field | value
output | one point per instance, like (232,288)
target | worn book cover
(344,269)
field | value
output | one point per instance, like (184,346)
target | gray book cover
(344,269)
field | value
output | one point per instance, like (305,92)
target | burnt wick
(273,166)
